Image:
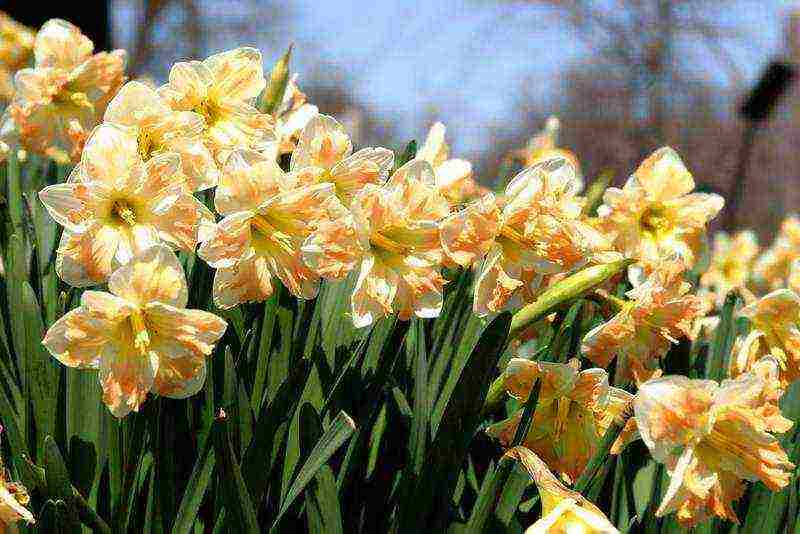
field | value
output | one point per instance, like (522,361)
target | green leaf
(722,344)
(57,476)
(197,486)
(340,429)
(238,501)
(408,154)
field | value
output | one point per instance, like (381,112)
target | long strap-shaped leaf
(337,433)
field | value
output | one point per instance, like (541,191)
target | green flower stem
(600,456)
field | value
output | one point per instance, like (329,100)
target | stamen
(141,337)
(124,212)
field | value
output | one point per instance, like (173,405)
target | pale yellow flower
(731,262)
(711,437)
(398,247)
(563,511)
(292,116)
(158,130)
(139,336)
(60,100)
(660,312)
(115,205)
(325,154)
(453,176)
(16,51)
(774,266)
(544,146)
(573,411)
(13,500)
(222,89)
(269,218)
(656,215)
(776,331)
(538,231)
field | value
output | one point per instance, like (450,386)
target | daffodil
(60,99)
(544,146)
(115,205)
(774,266)
(269,217)
(730,267)
(563,511)
(656,215)
(140,336)
(660,312)
(158,130)
(538,231)
(222,89)
(397,247)
(711,437)
(13,501)
(292,116)
(453,176)
(16,50)
(573,411)
(775,318)
(325,153)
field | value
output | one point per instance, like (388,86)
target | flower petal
(155,275)
(230,242)
(249,280)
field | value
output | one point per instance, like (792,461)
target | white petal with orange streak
(87,258)
(110,153)
(374,292)
(230,243)
(126,377)
(182,333)
(247,180)
(663,176)
(64,205)
(367,166)
(77,338)
(61,44)
(496,283)
(134,104)
(249,280)
(155,275)
(238,74)
(323,143)
(468,235)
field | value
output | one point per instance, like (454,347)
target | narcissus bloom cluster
(219,170)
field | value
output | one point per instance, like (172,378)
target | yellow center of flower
(207,109)
(123,212)
(141,337)
(381,242)
(655,223)
(270,234)
(146,144)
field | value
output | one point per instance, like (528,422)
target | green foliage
(305,423)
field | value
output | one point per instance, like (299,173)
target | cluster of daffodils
(294,204)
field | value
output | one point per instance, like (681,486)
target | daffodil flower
(397,247)
(656,215)
(139,335)
(711,438)
(774,266)
(115,205)
(158,130)
(292,116)
(539,231)
(660,312)
(325,153)
(60,99)
(776,331)
(544,146)
(222,89)
(732,259)
(573,411)
(13,501)
(269,218)
(16,50)
(453,176)
(563,511)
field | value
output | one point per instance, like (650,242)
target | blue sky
(466,61)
